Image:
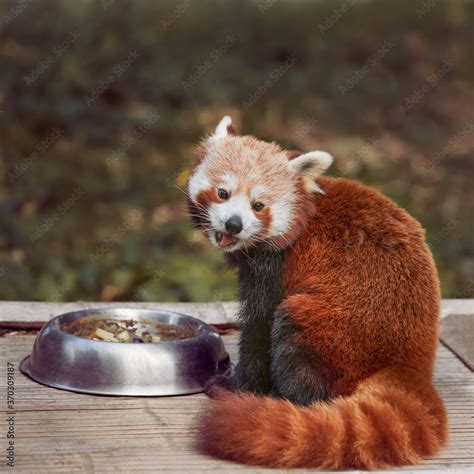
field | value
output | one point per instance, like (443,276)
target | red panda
(339,312)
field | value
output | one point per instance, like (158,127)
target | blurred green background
(101,103)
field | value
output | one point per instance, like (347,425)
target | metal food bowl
(177,367)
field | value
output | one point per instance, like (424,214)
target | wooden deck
(58,431)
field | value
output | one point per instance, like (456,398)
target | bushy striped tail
(394,418)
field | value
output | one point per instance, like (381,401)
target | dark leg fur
(252,372)
(260,293)
(271,361)
(253,369)
(294,369)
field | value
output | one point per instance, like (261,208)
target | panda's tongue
(225,240)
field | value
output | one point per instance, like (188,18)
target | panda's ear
(310,166)
(224,129)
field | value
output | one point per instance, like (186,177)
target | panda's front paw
(218,383)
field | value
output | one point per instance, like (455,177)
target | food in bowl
(100,328)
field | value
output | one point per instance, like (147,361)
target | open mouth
(225,240)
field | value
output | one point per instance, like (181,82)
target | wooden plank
(58,431)
(457,333)
(213,313)
(457,306)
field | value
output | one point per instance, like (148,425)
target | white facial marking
(257,192)
(229,182)
(199,181)
(282,215)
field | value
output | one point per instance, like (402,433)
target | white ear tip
(312,164)
(324,156)
(227,120)
(221,130)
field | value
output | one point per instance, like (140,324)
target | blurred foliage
(102,102)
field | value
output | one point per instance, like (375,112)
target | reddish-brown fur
(265,218)
(361,285)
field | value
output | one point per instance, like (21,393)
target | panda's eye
(258,206)
(223,194)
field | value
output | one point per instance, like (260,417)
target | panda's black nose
(233,225)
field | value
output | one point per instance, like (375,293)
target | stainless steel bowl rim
(105,311)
